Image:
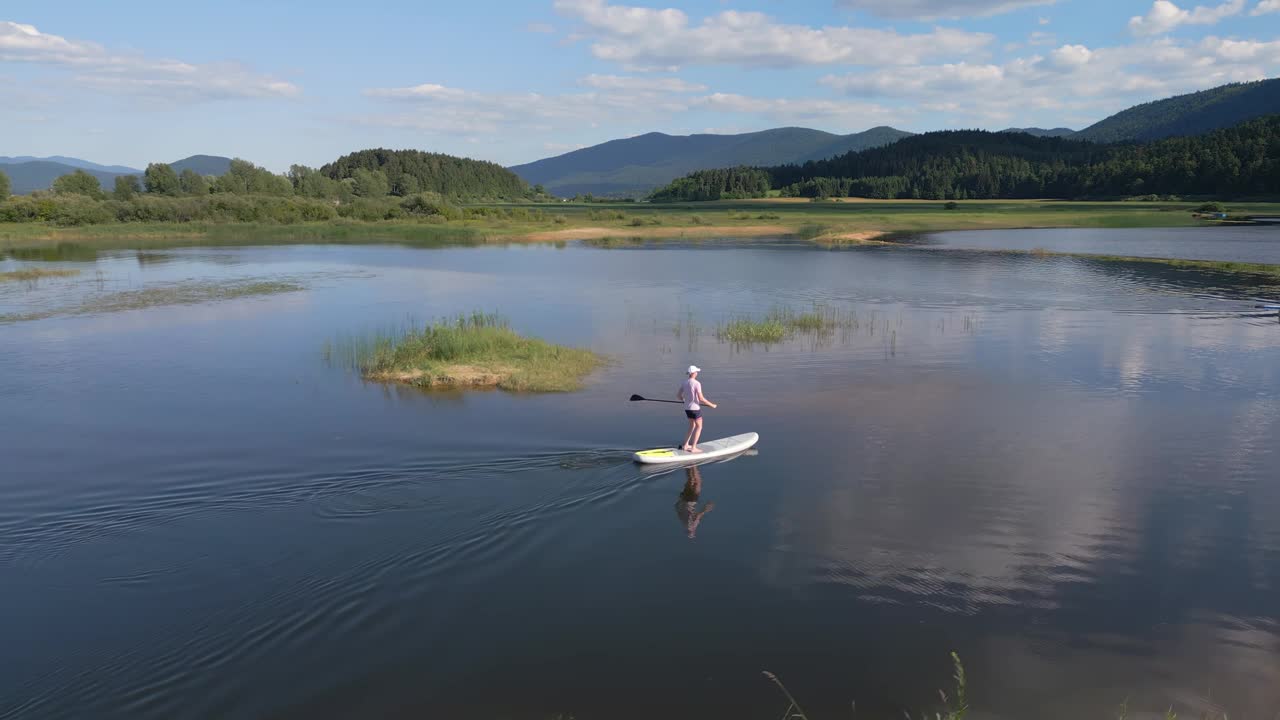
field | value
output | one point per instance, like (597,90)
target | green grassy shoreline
(575,221)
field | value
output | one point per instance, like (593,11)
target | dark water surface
(1067,471)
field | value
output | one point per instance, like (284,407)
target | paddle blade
(635,398)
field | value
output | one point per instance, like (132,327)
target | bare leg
(689,436)
(697,433)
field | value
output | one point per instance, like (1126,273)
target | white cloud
(1070,56)
(1165,16)
(1266,6)
(439,109)
(561,147)
(639,36)
(133,73)
(934,9)
(920,81)
(657,84)
(788,111)
(1241,51)
(1074,81)
(1043,21)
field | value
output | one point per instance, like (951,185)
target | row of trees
(367,174)
(358,187)
(1234,162)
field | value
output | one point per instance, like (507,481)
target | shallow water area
(1064,470)
(1242,243)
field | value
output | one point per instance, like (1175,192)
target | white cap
(693,369)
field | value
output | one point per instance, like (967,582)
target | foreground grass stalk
(957,705)
(799,713)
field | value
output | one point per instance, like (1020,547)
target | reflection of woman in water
(687,504)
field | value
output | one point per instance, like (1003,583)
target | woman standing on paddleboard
(690,394)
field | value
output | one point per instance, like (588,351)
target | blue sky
(289,81)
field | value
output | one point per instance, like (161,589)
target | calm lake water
(1067,471)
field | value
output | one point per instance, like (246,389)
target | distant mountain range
(28,174)
(27,177)
(73,162)
(203,164)
(635,165)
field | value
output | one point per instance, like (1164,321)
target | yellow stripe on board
(659,451)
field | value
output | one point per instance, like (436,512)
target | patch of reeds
(809,231)
(783,323)
(476,350)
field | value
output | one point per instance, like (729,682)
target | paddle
(635,398)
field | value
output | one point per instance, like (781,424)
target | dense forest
(727,184)
(955,165)
(407,172)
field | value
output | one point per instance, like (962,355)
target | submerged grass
(1260,269)
(182,293)
(1221,266)
(782,323)
(477,350)
(36,273)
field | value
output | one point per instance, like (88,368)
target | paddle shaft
(637,397)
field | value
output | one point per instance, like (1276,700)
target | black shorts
(693,414)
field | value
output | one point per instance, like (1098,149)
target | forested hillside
(1235,162)
(1190,114)
(412,171)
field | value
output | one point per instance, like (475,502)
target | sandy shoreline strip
(867,237)
(588,233)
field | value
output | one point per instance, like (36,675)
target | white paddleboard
(710,449)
